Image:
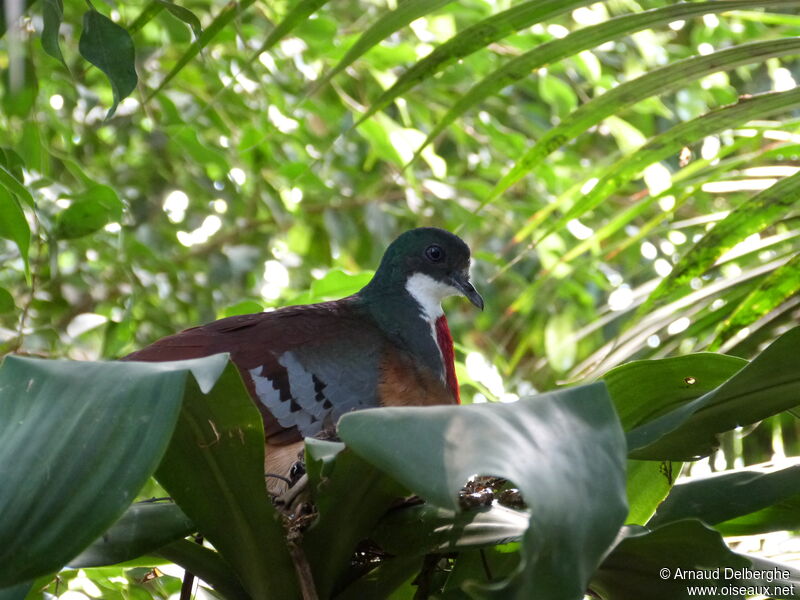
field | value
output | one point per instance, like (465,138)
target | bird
(306,366)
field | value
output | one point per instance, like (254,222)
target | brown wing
(303,366)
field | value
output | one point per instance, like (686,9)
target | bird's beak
(461,283)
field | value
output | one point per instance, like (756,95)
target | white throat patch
(429,294)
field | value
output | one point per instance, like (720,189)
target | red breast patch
(445,341)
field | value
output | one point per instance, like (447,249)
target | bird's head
(430,264)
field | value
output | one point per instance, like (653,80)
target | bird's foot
(292,501)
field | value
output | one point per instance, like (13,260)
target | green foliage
(215,466)
(646,389)
(143,528)
(101,445)
(780,286)
(753,216)
(471,39)
(752,490)
(89,211)
(564,450)
(625,172)
(52,15)
(577,515)
(625,574)
(13,225)
(338,477)
(381,29)
(768,385)
(109,47)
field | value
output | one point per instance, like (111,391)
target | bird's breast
(408,380)
(404,382)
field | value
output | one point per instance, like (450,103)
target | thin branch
(485,562)
(308,590)
(189,578)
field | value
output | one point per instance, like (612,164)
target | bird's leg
(296,495)
(292,499)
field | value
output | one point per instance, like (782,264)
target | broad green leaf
(650,564)
(522,66)
(643,390)
(13,224)
(73,456)
(214,470)
(222,20)
(333,285)
(52,14)
(669,143)
(658,81)
(16,592)
(143,528)
(345,489)
(381,29)
(384,581)
(648,483)
(183,14)
(90,210)
(564,450)
(245,307)
(337,284)
(469,40)
(757,213)
(109,47)
(768,385)
(74,167)
(13,185)
(7,304)
(207,565)
(783,515)
(425,529)
(488,564)
(727,495)
(104,195)
(782,284)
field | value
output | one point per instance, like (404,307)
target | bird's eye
(434,253)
